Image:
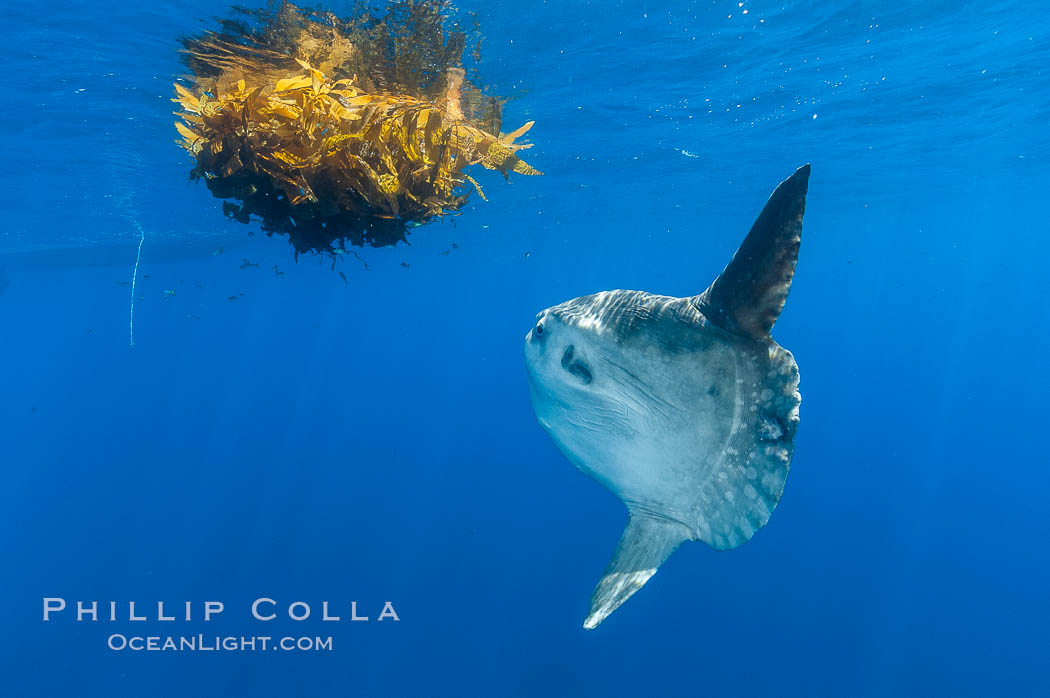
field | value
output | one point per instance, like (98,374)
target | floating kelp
(339,131)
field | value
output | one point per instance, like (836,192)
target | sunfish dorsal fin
(750,293)
(646,542)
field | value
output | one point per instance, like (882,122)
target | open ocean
(299,438)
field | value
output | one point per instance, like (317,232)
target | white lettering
(131,614)
(324,612)
(160,612)
(306,611)
(83,610)
(353,612)
(50,605)
(211,607)
(123,642)
(255,609)
(388,612)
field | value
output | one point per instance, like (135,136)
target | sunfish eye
(539,329)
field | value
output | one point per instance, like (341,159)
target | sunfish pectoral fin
(750,293)
(646,542)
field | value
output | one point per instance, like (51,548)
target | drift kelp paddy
(341,130)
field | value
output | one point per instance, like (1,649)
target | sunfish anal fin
(646,542)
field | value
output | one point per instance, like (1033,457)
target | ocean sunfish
(684,408)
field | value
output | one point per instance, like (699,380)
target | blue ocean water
(373,440)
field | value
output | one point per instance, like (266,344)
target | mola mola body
(684,408)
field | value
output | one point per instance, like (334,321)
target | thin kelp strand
(134,279)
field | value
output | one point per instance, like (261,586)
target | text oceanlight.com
(215,643)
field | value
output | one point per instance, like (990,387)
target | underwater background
(373,440)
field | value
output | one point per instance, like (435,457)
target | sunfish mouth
(576,366)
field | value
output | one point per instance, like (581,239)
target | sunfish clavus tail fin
(749,294)
(646,542)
